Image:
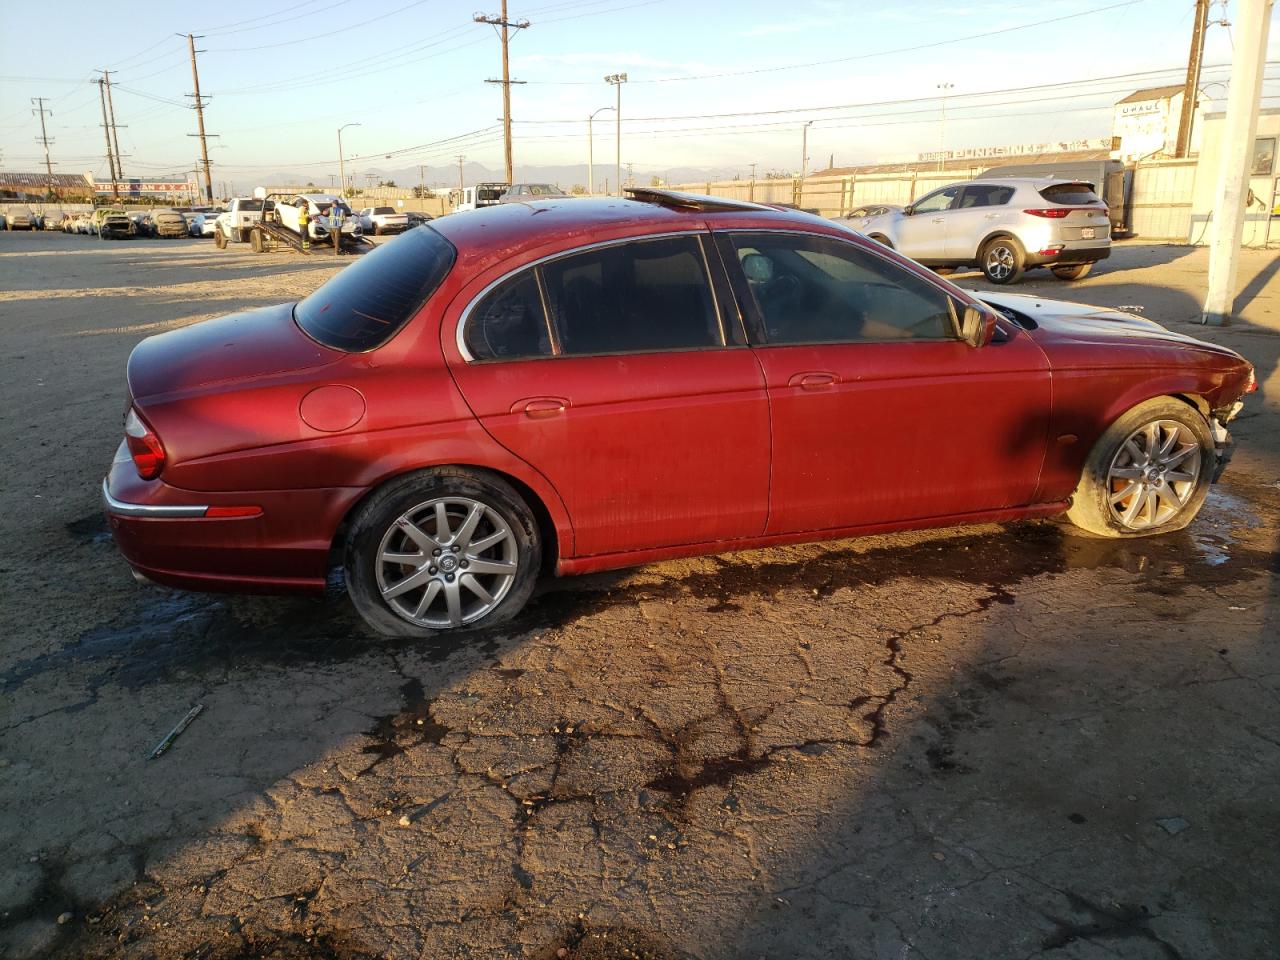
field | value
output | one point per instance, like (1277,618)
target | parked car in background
(1003,226)
(325,212)
(100,214)
(4,222)
(202,219)
(168,223)
(21,218)
(417,218)
(473,198)
(142,223)
(52,221)
(116,225)
(380,220)
(1111,181)
(488,392)
(523,192)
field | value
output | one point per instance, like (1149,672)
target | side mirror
(977,326)
(908,210)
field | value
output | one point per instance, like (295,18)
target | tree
(655,181)
(386,183)
(577,189)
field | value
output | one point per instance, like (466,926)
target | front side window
(509,323)
(637,297)
(937,202)
(816,290)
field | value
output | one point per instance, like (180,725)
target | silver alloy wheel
(999,261)
(1154,474)
(447,562)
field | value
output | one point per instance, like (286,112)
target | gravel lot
(994,741)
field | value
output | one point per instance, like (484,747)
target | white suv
(1004,226)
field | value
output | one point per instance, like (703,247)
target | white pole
(1252,23)
(591,179)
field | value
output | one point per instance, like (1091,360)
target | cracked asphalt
(992,741)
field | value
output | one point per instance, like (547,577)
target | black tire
(1091,507)
(377,519)
(255,241)
(377,229)
(881,239)
(1003,260)
(1071,271)
(219,240)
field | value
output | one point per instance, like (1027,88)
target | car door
(980,209)
(613,371)
(922,233)
(880,413)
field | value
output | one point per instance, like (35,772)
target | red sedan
(586,384)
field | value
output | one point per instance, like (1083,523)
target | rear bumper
(164,534)
(1070,254)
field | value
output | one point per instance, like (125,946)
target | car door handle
(937,219)
(538,408)
(992,216)
(814,380)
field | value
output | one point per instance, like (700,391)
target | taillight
(1052,213)
(1251,385)
(144,446)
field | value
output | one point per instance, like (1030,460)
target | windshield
(490,193)
(363,306)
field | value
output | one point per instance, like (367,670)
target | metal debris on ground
(176,732)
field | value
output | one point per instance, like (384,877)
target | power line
(321,36)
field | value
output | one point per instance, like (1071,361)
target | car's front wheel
(442,549)
(1149,473)
(1071,271)
(1003,260)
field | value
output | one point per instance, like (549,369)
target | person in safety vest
(304,223)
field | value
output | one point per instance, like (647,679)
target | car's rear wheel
(880,238)
(1003,260)
(442,550)
(1149,473)
(255,241)
(219,240)
(1071,271)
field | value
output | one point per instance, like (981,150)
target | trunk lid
(231,349)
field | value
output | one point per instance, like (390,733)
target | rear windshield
(364,305)
(490,193)
(1072,193)
(251,204)
(382,210)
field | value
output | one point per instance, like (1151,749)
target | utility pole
(342,165)
(804,161)
(1253,23)
(106,131)
(115,134)
(462,184)
(1191,89)
(752,194)
(422,182)
(503,24)
(942,130)
(204,145)
(630,178)
(44,138)
(617,79)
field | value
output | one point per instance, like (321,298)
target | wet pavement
(995,741)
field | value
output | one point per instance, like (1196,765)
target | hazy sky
(283,75)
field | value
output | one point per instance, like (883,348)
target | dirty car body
(593,384)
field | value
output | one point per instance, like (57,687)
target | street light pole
(942,134)
(342,169)
(591,179)
(618,79)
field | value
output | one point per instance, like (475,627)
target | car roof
(1029,181)
(494,233)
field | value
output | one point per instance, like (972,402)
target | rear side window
(636,297)
(1070,193)
(363,306)
(509,323)
(985,195)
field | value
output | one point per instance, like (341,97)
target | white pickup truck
(325,213)
(383,220)
(234,225)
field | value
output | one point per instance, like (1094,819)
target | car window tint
(1070,193)
(633,298)
(985,195)
(815,290)
(509,323)
(363,305)
(937,202)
